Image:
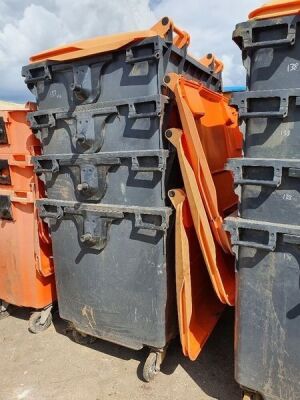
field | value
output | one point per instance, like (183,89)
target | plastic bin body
(105,109)
(272,118)
(271,49)
(26,269)
(118,286)
(270,189)
(126,125)
(110,178)
(267,311)
(135,71)
(266,235)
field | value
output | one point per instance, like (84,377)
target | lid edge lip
(270,10)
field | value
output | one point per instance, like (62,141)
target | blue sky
(29,26)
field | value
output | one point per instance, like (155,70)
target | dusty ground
(51,366)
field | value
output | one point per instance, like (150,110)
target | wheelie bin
(266,234)
(107,168)
(26,264)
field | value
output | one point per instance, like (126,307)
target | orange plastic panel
(211,137)
(16,136)
(198,307)
(219,264)
(26,266)
(277,8)
(102,44)
(17,172)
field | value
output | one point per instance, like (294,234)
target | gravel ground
(51,366)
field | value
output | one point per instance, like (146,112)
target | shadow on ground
(213,371)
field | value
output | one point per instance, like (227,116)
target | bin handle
(235,240)
(239,180)
(164,25)
(58,214)
(245,114)
(235,229)
(33,120)
(289,40)
(266,114)
(140,224)
(39,169)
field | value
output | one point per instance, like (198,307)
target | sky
(30,26)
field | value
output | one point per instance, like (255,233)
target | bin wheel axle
(39,321)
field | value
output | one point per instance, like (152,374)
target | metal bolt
(165,21)
(82,186)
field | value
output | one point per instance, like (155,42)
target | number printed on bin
(293,67)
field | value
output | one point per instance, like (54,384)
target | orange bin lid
(102,44)
(276,8)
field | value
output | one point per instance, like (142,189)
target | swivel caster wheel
(250,396)
(39,321)
(152,364)
(4,310)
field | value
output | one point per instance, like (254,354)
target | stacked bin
(267,231)
(26,265)
(107,169)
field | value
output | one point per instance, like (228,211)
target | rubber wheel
(4,314)
(81,338)
(150,370)
(250,396)
(34,322)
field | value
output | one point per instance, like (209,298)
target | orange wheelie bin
(26,264)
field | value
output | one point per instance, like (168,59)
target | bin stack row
(267,231)
(107,167)
(26,264)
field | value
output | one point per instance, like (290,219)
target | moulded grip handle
(239,179)
(291,239)
(140,224)
(236,241)
(244,113)
(289,40)
(182,39)
(35,74)
(46,213)
(5,178)
(136,166)
(264,114)
(41,168)
(3,133)
(133,114)
(38,120)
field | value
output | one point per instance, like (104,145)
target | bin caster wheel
(38,322)
(82,338)
(250,396)
(4,310)
(152,365)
